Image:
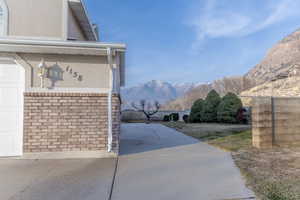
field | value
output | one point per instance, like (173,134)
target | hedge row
(216,109)
(172,117)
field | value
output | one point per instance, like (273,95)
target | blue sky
(193,40)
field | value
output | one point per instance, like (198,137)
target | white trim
(13,58)
(22,109)
(8,48)
(3,4)
(109,99)
(70,90)
(9,45)
(60,43)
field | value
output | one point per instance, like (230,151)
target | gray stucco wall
(35,18)
(94,70)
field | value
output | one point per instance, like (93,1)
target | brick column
(262,126)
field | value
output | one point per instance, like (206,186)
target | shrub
(243,116)
(196,111)
(228,108)
(210,109)
(166,118)
(185,118)
(174,117)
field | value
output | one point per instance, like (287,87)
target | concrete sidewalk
(157,162)
(69,179)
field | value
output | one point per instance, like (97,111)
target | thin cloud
(216,21)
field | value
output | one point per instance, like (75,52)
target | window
(3,18)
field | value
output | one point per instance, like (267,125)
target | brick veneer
(58,122)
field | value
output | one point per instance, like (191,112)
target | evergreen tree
(196,111)
(228,108)
(211,104)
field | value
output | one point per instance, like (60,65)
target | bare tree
(147,108)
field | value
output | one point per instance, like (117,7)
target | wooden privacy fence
(276,121)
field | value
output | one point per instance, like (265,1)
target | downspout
(110,92)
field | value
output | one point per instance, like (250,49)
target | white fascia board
(63,43)
(58,47)
(50,50)
(80,11)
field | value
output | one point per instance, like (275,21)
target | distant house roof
(80,12)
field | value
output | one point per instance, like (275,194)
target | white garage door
(12,84)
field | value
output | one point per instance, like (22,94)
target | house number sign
(74,74)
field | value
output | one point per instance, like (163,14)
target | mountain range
(235,84)
(278,74)
(155,90)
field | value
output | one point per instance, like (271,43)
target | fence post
(262,122)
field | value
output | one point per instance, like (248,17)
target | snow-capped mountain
(183,88)
(155,91)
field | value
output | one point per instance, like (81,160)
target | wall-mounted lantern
(54,74)
(42,72)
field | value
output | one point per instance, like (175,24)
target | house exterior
(59,85)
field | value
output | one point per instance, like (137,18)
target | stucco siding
(35,18)
(94,70)
(74,30)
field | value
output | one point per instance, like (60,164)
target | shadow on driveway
(138,138)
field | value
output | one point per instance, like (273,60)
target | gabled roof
(80,12)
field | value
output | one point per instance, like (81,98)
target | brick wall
(58,122)
(276,122)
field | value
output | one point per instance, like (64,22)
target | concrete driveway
(157,162)
(80,179)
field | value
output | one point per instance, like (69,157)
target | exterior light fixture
(42,71)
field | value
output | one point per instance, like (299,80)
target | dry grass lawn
(273,174)
(205,131)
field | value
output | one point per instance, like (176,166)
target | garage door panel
(10,122)
(7,146)
(9,97)
(12,85)
(10,73)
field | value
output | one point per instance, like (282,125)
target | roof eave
(58,47)
(80,12)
